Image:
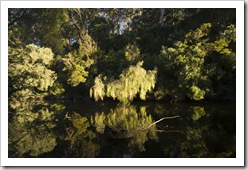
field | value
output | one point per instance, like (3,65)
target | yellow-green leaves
(197,112)
(78,60)
(198,60)
(134,80)
(45,55)
(97,91)
(28,70)
(199,33)
(132,53)
(196,93)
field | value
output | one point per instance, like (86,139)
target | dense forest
(122,54)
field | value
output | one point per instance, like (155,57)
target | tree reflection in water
(126,122)
(82,140)
(39,129)
(31,128)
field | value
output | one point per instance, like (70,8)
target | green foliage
(132,53)
(193,49)
(98,90)
(80,123)
(79,60)
(134,80)
(29,71)
(126,122)
(190,60)
(30,128)
(57,89)
(197,112)
(98,122)
(112,63)
(64,52)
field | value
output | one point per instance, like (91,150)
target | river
(110,130)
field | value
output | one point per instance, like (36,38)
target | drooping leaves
(134,80)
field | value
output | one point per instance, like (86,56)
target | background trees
(193,51)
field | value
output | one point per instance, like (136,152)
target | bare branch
(159,121)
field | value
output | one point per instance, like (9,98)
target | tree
(78,60)
(134,80)
(190,60)
(43,27)
(188,46)
(29,73)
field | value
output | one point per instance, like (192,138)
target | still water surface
(109,130)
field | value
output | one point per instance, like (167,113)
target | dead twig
(159,121)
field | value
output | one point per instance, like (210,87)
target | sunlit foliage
(193,51)
(189,59)
(77,61)
(98,90)
(29,72)
(134,80)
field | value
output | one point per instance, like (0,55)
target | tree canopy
(124,54)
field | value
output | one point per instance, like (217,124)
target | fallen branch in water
(159,121)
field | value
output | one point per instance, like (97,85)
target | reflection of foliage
(122,118)
(31,141)
(127,118)
(160,109)
(98,122)
(138,141)
(30,128)
(86,146)
(81,123)
(209,137)
(198,112)
(28,112)
(193,142)
(194,145)
(126,122)
(81,139)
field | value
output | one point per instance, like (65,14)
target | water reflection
(82,140)
(126,122)
(31,128)
(109,130)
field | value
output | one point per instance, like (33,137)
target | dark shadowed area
(109,130)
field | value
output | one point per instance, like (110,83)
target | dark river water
(109,130)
